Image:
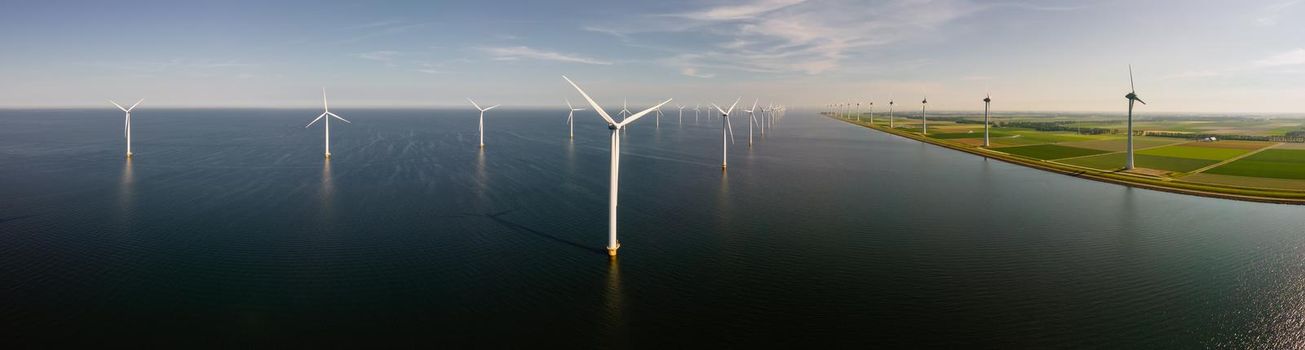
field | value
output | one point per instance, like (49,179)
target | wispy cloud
(383,56)
(693,72)
(739,11)
(523,52)
(1272,11)
(795,36)
(1289,58)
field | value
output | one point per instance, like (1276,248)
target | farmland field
(1192,152)
(1121,143)
(1050,151)
(1116,160)
(1273,163)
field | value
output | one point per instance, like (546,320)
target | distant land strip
(1115,177)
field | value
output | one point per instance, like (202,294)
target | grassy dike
(1115,177)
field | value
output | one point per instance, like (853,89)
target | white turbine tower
(126,123)
(1131,96)
(326,111)
(725,126)
(696,108)
(682,114)
(570,117)
(987,101)
(482,120)
(612,243)
(872,113)
(890,112)
(752,119)
(924,112)
(659,116)
(625,109)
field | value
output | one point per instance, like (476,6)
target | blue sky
(1189,56)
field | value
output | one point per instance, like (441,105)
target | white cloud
(380,56)
(740,11)
(1289,58)
(693,72)
(523,52)
(794,36)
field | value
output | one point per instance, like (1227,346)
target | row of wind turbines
(848,109)
(770,114)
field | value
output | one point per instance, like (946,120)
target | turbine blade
(133,106)
(568,103)
(597,108)
(490,107)
(1140,100)
(325,107)
(473,103)
(722,111)
(1131,87)
(315,120)
(636,116)
(338,117)
(729,126)
(736,102)
(119,106)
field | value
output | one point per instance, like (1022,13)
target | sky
(1188,56)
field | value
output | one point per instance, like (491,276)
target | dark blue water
(228,228)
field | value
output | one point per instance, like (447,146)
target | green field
(1272,163)
(1194,152)
(1162,161)
(1116,161)
(1050,151)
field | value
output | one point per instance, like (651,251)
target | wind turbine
(696,108)
(872,113)
(612,243)
(625,109)
(890,112)
(724,126)
(570,117)
(659,116)
(1131,96)
(924,112)
(126,123)
(681,114)
(752,116)
(326,110)
(987,101)
(482,120)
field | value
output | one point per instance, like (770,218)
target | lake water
(228,228)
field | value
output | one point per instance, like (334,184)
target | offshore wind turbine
(659,116)
(482,120)
(725,126)
(752,119)
(987,101)
(126,123)
(681,114)
(625,108)
(326,111)
(570,117)
(612,243)
(1131,96)
(696,108)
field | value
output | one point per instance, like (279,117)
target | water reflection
(617,331)
(481,178)
(126,190)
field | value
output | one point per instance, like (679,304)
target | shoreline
(1114,177)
